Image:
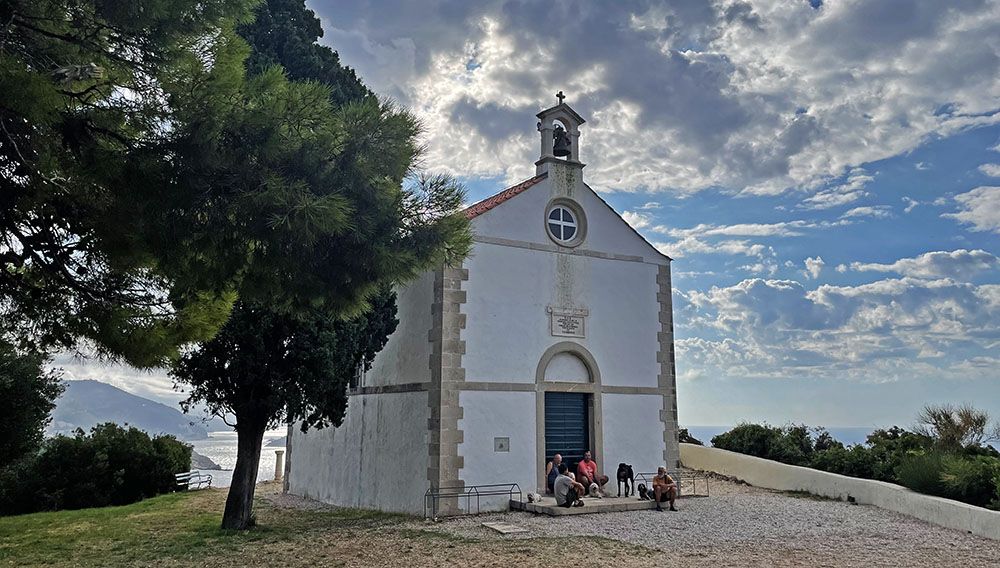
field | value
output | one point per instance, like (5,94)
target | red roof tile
(485,205)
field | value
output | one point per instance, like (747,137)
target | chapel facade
(554,336)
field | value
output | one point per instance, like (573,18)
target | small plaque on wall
(501,444)
(567,322)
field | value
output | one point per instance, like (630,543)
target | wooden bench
(193,480)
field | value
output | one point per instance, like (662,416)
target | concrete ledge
(547,506)
(774,475)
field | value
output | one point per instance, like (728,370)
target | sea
(220,447)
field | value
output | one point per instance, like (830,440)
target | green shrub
(790,444)
(110,466)
(971,480)
(995,504)
(856,461)
(922,472)
(889,447)
(750,439)
(824,441)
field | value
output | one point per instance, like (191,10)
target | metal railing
(679,476)
(434,495)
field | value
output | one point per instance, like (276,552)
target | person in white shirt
(567,490)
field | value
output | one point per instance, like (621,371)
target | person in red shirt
(586,472)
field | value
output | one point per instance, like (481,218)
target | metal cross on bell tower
(560,96)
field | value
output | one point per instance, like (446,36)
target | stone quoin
(555,334)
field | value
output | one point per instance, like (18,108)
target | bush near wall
(109,466)
(895,455)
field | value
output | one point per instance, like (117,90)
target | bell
(560,147)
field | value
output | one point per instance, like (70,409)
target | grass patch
(179,526)
(182,529)
(165,526)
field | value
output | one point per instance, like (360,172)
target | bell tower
(560,130)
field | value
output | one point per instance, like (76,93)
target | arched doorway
(568,405)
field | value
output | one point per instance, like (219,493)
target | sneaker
(672,508)
(659,508)
(578,504)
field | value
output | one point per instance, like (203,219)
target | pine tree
(330,191)
(81,94)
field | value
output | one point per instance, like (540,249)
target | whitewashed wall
(633,433)
(507,293)
(523,218)
(489,415)
(406,354)
(377,459)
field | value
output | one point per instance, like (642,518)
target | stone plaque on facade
(567,322)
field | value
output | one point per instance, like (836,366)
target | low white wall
(774,475)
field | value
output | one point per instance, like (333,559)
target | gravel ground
(741,525)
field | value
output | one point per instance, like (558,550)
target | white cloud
(849,192)
(813,267)
(876,211)
(636,220)
(841,268)
(960,264)
(692,245)
(911,204)
(979,208)
(886,330)
(650,205)
(992,170)
(784,229)
(766,266)
(757,99)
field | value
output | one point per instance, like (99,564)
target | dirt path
(738,526)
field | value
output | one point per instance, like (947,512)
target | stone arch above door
(566,358)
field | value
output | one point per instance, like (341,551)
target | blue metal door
(567,426)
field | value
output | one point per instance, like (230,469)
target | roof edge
(637,233)
(561,106)
(482,206)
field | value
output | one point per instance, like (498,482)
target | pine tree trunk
(239,503)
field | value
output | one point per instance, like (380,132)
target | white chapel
(554,336)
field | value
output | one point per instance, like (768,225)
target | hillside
(87,403)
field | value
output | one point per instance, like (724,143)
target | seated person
(552,472)
(664,488)
(586,472)
(567,491)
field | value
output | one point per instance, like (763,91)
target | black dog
(626,477)
(643,493)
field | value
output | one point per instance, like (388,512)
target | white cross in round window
(562,223)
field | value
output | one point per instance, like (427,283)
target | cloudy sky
(826,176)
